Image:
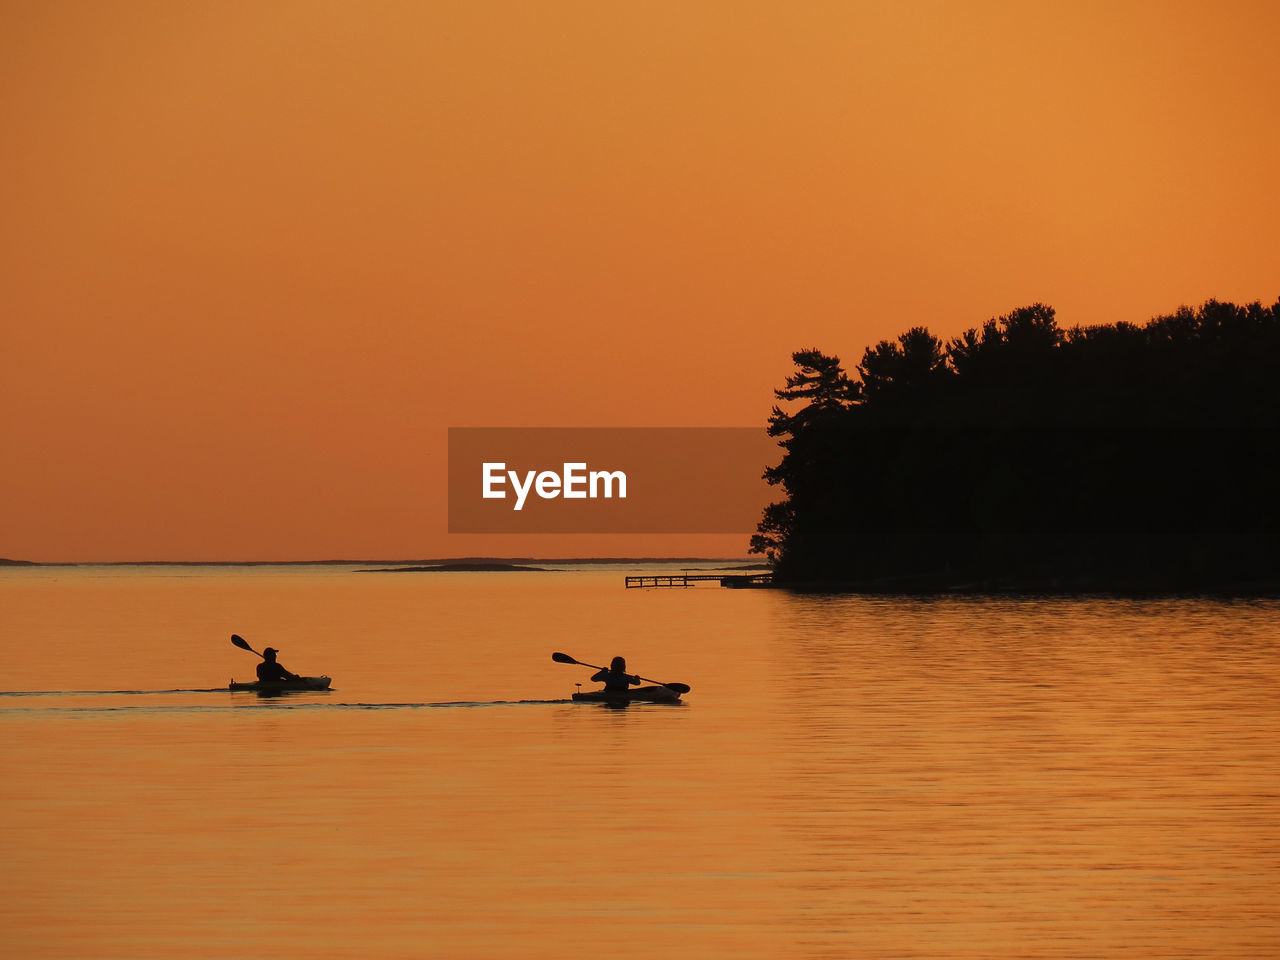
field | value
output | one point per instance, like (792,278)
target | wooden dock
(738,580)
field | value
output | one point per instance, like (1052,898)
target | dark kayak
(284,686)
(638,695)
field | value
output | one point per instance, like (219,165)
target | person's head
(269,654)
(618,665)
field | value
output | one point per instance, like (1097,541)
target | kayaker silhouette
(269,669)
(615,678)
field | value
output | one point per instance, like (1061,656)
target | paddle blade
(562,658)
(678,687)
(239,641)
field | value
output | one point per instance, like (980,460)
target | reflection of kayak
(638,695)
(284,686)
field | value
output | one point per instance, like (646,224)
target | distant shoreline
(399,564)
(924,585)
(491,567)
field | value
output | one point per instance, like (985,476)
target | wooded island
(1022,456)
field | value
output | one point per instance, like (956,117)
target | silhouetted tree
(826,390)
(820,381)
(1006,344)
(913,364)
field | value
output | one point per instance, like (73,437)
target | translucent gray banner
(608,480)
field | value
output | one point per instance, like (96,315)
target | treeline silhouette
(1024,456)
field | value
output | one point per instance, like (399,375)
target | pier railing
(689,579)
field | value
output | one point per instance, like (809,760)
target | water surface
(848,777)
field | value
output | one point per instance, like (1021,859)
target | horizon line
(4,562)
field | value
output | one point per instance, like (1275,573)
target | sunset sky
(256,258)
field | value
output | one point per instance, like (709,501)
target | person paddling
(615,678)
(269,669)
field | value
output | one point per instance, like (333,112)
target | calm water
(849,777)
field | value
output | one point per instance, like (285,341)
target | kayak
(284,686)
(638,695)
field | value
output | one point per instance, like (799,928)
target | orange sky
(256,258)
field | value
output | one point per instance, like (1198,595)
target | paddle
(243,644)
(565,658)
